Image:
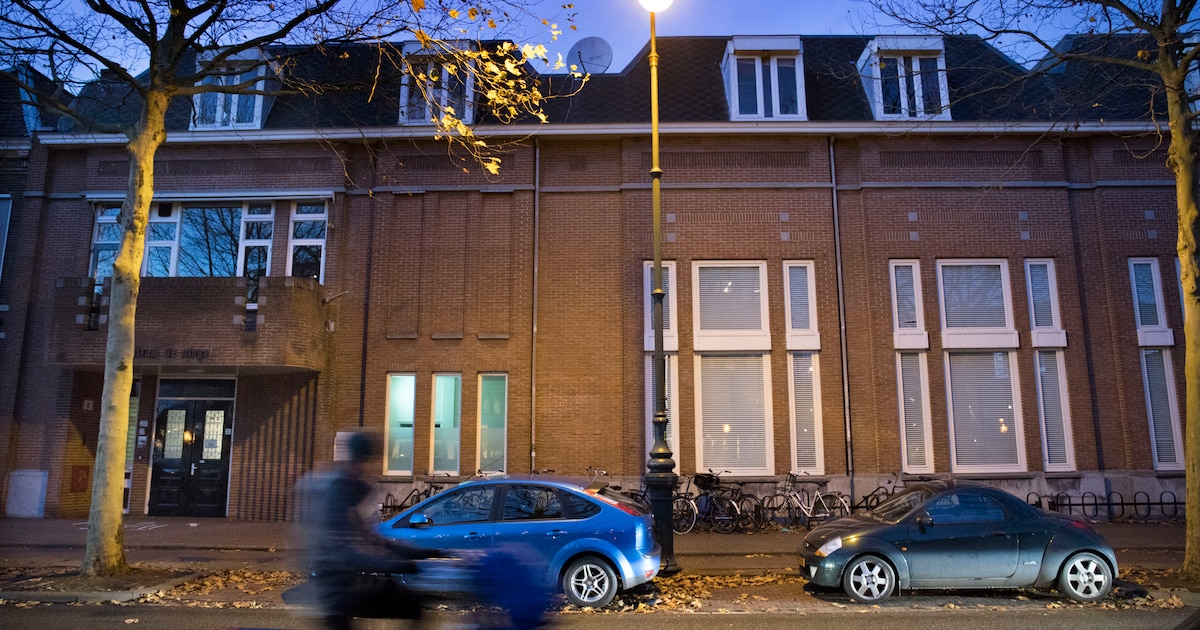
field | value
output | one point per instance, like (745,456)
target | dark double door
(190,474)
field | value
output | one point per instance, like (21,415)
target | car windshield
(900,505)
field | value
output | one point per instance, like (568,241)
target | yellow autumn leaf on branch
(417,5)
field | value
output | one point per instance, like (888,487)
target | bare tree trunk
(105,551)
(1183,162)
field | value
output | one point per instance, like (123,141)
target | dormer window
(764,78)
(434,87)
(243,106)
(905,78)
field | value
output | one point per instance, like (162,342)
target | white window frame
(670,306)
(1043,398)
(962,337)
(294,242)
(924,419)
(903,337)
(174,218)
(728,338)
(799,337)
(769,450)
(793,422)
(1171,413)
(1049,335)
(435,102)
(765,52)
(245,243)
(479,463)
(412,427)
(1019,440)
(227,103)
(914,47)
(433,426)
(1150,335)
(105,225)
(672,381)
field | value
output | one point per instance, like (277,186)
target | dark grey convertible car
(948,535)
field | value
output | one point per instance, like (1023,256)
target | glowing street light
(661,480)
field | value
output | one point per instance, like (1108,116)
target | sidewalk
(215,544)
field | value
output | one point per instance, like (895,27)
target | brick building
(882,256)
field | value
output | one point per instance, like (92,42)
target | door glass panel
(173,448)
(214,433)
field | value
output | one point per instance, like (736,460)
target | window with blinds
(670,329)
(1148,307)
(1045,326)
(807,452)
(976,304)
(730,306)
(915,426)
(733,414)
(1161,406)
(1057,445)
(908,316)
(670,364)
(801,309)
(985,424)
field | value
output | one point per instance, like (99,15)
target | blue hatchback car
(591,543)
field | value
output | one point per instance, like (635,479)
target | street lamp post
(661,480)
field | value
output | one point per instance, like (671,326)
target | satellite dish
(593,55)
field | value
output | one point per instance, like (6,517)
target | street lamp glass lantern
(655,6)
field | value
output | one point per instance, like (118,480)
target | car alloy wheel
(1085,578)
(869,579)
(589,582)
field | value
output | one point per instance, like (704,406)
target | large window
(434,88)
(976,304)
(401,407)
(733,414)
(228,106)
(978,335)
(447,414)
(1158,375)
(306,245)
(730,306)
(905,77)
(670,346)
(985,424)
(493,423)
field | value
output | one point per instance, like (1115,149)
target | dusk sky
(625,25)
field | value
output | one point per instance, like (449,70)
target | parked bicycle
(792,507)
(420,491)
(715,507)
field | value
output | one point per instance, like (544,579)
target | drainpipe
(537,197)
(841,291)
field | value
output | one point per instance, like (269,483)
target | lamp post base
(661,488)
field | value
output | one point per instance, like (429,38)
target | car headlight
(830,546)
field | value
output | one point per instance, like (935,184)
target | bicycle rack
(1089,505)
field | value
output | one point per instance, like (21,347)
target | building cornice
(872,128)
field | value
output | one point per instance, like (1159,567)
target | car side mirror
(924,521)
(419,521)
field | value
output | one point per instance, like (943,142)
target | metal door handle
(193,470)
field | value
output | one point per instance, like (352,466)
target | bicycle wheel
(724,515)
(750,513)
(840,507)
(828,505)
(683,515)
(775,511)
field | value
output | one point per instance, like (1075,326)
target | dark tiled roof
(350,87)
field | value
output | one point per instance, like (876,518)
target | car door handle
(999,533)
(555,533)
(473,536)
